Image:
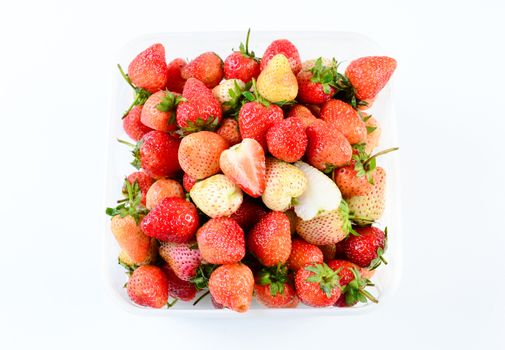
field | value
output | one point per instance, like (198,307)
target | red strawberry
(343,117)
(317,285)
(162,189)
(232,286)
(285,47)
(303,253)
(287,140)
(175,81)
(159,111)
(270,239)
(130,238)
(132,124)
(188,182)
(310,91)
(329,251)
(144,181)
(366,249)
(173,219)
(242,64)
(208,68)
(149,70)
(303,114)
(201,110)
(183,258)
(255,119)
(148,286)
(368,75)
(244,164)
(327,147)
(229,130)
(177,288)
(221,241)
(285,299)
(156,153)
(199,154)
(352,282)
(249,213)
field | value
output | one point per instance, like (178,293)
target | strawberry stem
(379,154)
(125,76)
(247,41)
(201,297)
(125,143)
(369,296)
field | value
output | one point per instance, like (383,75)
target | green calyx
(325,75)
(276,277)
(199,124)
(244,49)
(237,99)
(129,268)
(132,205)
(136,162)
(169,103)
(325,276)
(141,95)
(346,217)
(254,96)
(365,164)
(355,292)
(201,280)
(379,259)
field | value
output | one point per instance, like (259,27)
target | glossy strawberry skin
(310,92)
(201,104)
(148,286)
(270,239)
(133,126)
(310,293)
(188,182)
(362,249)
(287,299)
(149,70)
(173,219)
(208,68)
(287,140)
(144,181)
(349,183)
(184,259)
(343,117)
(239,66)
(177,288)
(249,213)
(229,131)
(232,286)
(175,82)
(303,253)
(158,154)
(255,119)
(221,241)
(154,118)
(368,75)
(285,47)
(303,114)
(345,272)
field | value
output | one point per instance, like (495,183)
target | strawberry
(284,183)
(149,70)
(229,131)
(130,238)
(316,85)
(199,154)
(201,110)
(276,82)
(303,253)
(173,219)
(148,286)
(144,181)
(317,285)
(307,65)
(373,130)
(177,288)
(208,68)
(370,206)
(270,239)
(285,47)
(229,94)
(221,241)
(352,283)
(320,196)
(255,119)
(132,124)
(242,64)
(175,82)
(161,189)
(130,264)
(327,148)
(303,114)
(329,228)
(329,251)
(368,75)
(287,140)
(249,213)
(344,118)
(158,112)
(232,286)
(244,164)
(156,153)
(188,182)
(183,259)
(273,288)
(366,249)
(216,196)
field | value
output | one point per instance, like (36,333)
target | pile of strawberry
(255,176)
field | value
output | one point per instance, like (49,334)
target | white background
(56,66)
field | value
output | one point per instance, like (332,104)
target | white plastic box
(344,46)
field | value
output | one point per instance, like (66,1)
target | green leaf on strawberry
(132,206)
(276,277)
(141,95)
